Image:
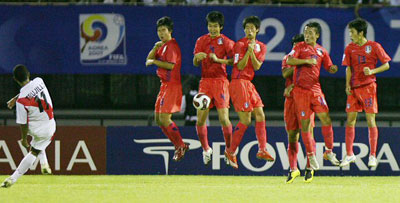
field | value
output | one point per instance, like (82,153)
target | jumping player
(248,58)
(166,55)
(214,51)
(361,57)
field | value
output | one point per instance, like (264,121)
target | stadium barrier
(74,150)
(146,151)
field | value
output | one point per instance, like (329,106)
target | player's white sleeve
(22,114)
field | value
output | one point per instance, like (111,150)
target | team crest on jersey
(246,105)
(319,51)
(220,41)
(348,105)
(257,48)
(303,113)
(368,49)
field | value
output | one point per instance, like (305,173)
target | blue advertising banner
(145,150)
(116,38)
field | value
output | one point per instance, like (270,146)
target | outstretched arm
(11,102)
(380,69)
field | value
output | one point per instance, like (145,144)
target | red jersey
(307,76)
(171,53)
(358,57)
(289,80)
(221,46)
(240,50)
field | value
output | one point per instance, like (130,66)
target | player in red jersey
(166,55)
(248,58)
(292,124)
(214,51)
(34,110)
(361,57)
(308,57)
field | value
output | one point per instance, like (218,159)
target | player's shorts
(363,98)
(244,95)
(169,98)
(307,102)
(290,117)
(218,91)
(43,134)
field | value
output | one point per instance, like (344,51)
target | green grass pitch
(174,188)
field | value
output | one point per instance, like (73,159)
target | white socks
(42,158)
(23,166)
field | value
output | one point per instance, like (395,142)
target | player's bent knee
(34,151)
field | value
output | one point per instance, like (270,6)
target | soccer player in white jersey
(35,116)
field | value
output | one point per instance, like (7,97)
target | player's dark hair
(253,20)
(215,17)
(360,25)
(297,38)
(167,22)
(315,25)
(21,73)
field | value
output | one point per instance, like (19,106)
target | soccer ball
(201,101)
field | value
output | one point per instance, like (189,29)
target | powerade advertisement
(145,150)
(116,38)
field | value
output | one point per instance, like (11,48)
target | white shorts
(42,137)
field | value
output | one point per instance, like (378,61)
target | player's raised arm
(254,60)
(287,72)
(152,53)
(11,102)
(198,58)
(198,52)
(241,64)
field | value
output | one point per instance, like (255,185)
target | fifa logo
(102,39)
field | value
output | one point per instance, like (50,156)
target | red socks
(327,132)
(293,149)
(261,134)
(227,131)
(308,142)
(172,132)
(373,140)
(350,134)
(202,133)
(240,129)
